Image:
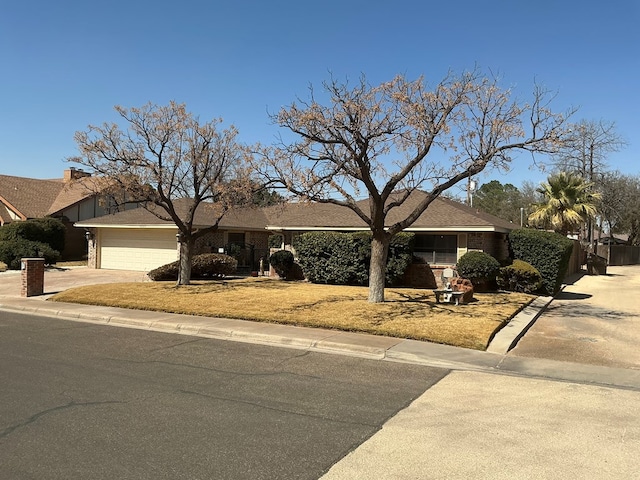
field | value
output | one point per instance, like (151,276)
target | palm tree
(568,203)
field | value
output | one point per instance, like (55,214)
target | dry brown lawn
(406,313)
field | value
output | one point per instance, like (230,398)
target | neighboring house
(71,199)
(137,240)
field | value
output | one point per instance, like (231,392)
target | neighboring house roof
(28,197)
(72,193)
(441,215)
(35,198)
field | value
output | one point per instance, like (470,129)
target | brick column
(32,277)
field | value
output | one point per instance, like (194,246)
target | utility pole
(471,187)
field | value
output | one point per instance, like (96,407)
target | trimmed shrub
(400,256)
(206,265)
(548,252)
(12,251)
(282,262)
(520,276)
(344,258)
(52,232)
(48,230)
(331,257)
(479,267)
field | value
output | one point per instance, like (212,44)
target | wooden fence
(620,254)
(578,258)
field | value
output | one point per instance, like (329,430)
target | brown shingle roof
(74,192)
(28,197)
(35,198)
(442,214)
(245,218)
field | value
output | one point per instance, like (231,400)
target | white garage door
(133,249)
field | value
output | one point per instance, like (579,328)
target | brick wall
(92,250)
(32,277)
(209,243)
(495,244)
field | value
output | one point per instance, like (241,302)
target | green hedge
(39,237)
(12,251)
(344,258)
(520,276)
(207,265)
(282,262)
(44,230)
(479,267)
(548,252)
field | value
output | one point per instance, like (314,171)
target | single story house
(71,199)
(138,240)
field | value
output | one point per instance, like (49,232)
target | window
(236,238)
(437,249)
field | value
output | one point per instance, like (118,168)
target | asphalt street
(83,401)
(83,397)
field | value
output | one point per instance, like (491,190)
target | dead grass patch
(406,313)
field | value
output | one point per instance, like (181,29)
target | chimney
(75,174)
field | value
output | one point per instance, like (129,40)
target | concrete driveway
(595,320)
(59,279)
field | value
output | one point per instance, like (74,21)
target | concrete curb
(344,343)
(510,334)
(316,339)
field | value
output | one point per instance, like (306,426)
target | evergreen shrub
(282,262)
(12,251)
(548,252)
(48,230)
(520,276)
(344,258)
(206,265)
(479,267)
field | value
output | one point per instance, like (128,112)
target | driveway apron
(595,320)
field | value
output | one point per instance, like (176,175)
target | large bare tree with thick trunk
(171,164)
(387,141)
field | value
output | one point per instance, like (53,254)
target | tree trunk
(378,266)
(186,254)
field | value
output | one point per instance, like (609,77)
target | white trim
(490,228)
(136,226)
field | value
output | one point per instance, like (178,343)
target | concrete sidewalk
(473,425)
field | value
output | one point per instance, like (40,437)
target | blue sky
(65,64)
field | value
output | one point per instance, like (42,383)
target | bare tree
(585,148)
(584,152)
(620,204)
(172,164)
(388,141)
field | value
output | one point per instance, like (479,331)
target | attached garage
(140,249)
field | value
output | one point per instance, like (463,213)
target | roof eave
(478,228)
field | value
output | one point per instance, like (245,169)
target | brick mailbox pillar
(32,277)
